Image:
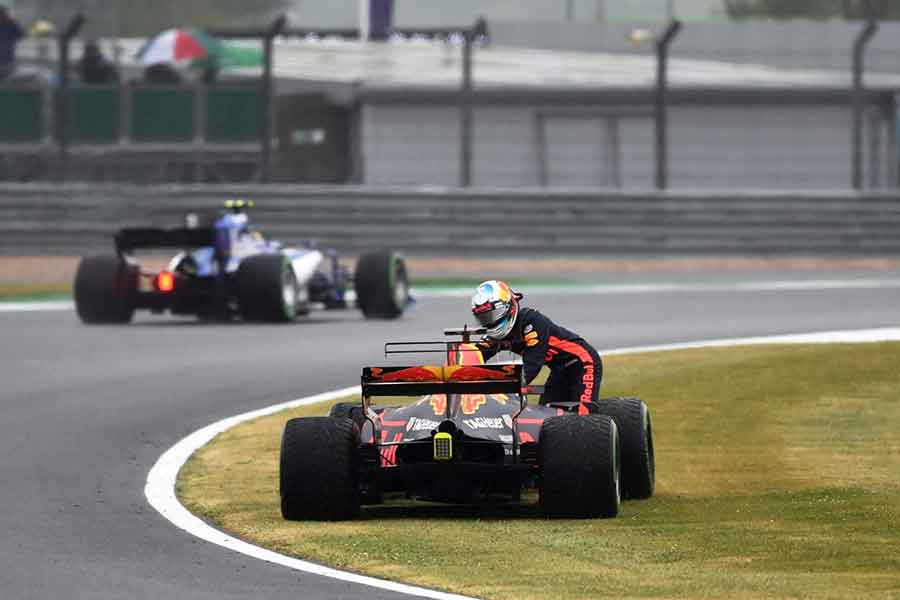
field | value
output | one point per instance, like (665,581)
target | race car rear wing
(452,379)
(135,238)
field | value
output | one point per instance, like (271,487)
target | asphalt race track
(86,411)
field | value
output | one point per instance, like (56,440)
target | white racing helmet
(495,307)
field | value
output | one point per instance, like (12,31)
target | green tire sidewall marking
(285,265)
(645,416)
(645,419)
(392,276)
(392,272)
(617,466)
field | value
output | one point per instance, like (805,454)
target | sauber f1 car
(472,436)
(225,268)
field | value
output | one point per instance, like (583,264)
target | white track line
(656,288)
(160,488)
(36,306)
(859,336)
(581,288)
(160,493)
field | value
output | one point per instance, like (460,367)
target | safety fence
(796,130)
(78,219)
(140,114)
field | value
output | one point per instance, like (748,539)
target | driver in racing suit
(575,366)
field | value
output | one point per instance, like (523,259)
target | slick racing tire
(369,493)
(104,290)
(579,467)
(381,284)
(632,416)
(267,289)
(318,469)
(348,410)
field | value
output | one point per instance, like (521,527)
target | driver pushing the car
(575,366)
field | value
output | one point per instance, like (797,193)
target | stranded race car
(472,436)
(225,268)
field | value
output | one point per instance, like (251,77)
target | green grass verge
(777,477)
(56,291)
(467,283)
(34,291)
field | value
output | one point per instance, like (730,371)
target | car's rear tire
(382,285)
(318,469)
(636,433)
(579,467)
(104,289)
(267,288)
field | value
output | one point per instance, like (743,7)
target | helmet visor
(488,314)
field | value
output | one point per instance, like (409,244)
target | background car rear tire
(104,290)
(318,469)
(262,289)
(636,434)
(579,467)
(382,285)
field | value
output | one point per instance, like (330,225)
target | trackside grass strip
(36,291)
(778,476)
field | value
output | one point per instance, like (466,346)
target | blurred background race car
(226,269)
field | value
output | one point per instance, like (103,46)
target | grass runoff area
(35,291)
(778,475)
(55,291)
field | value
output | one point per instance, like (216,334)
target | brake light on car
(443,446)
(165,281)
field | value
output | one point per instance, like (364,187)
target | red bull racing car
(471,436)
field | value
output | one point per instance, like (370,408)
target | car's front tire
(632,416)
(348,410)
(381,284)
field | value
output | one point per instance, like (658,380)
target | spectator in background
(10,34)
(210,74)
(93,67)
(161,74)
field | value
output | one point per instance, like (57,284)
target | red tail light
(165,281)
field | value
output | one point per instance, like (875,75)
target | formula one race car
(225,268)
(471,437)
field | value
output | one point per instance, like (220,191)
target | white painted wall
(411,13)
(786,147)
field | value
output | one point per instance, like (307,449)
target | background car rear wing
(134,238)
(450,379)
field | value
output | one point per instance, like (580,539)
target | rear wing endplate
(430,379)
(134,238)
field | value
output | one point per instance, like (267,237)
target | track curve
(87,411)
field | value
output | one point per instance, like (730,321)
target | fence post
(275,28)
(465,102)
(662,93)
(465,116)
(62,96)
(892,165)
(859,50)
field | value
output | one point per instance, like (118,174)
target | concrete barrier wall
(78,219)
(796,44)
